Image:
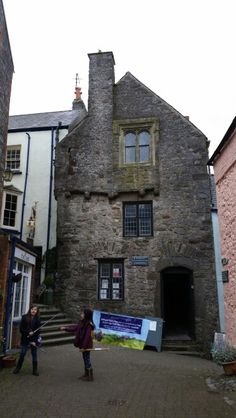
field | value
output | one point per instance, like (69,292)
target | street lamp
(8,174)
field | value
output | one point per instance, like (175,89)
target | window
(138,219)
(9,217)
(13,158)
(21,289)
(111,280)
(137,146)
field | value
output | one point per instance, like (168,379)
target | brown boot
(90,377)
(85,375)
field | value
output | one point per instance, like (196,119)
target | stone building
(224,163)
(6,72)
(134,230)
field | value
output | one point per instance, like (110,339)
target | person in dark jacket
(29,338)
(84,340)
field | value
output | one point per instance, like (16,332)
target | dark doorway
(177,303)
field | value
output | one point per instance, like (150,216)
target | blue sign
(121,323)
(123,330)
(140,260)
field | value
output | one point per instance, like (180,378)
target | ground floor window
(21,291)
(111,280)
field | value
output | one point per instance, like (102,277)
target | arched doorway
(177,302)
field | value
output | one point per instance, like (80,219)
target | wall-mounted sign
(140,260)
(225,276)
(24,256)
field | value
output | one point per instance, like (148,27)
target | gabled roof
(185,118)
(222,144)
(41,121)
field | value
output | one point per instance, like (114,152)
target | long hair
(28,315)
(88,317)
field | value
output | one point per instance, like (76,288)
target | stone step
(55,334)
(51,333)
(51,327)
(56,341)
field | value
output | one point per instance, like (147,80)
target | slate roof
(224,141)
(41,121)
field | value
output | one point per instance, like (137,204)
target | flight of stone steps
(51,333)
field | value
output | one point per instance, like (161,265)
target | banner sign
(126,331)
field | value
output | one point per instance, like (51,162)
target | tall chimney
(101,82)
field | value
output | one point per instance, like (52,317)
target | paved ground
(128,384)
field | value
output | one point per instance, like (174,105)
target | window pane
(130,144)
(144,210)
(105,270)
(130,211)
(131,227)
(144,138)
(144,146)
(143,154)
(130,154)
(145,227)
(130,139)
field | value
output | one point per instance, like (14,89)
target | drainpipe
(50,197)
(9,296)
(25,186)
(218,266)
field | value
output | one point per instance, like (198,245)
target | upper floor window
(9,217)
(137,146)
(138,219)
(13,157)
(111,280)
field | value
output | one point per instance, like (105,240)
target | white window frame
(6,192)
(24,286)
(12,162)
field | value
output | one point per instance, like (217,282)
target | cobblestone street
(128,384)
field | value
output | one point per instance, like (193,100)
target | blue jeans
(87,361)
(24,349)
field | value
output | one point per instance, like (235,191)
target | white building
(29,206)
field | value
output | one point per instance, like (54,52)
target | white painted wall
(37,189)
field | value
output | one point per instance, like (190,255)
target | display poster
(122,330)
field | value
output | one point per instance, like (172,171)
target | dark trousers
(87,361)
(24,349)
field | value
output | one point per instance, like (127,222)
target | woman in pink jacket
(84,340)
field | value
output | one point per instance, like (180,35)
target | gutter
(50,197)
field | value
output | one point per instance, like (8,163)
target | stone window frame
(151,124)
(137,203)
(110,286)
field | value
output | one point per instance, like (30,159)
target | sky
(183,50)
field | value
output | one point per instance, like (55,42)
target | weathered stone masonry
(92,183)
(6,71)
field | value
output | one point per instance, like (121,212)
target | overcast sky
(183,50)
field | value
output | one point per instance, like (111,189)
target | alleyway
(128,384)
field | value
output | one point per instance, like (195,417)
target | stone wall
(6,71)
(90,219)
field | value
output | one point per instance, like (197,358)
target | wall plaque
(140,260)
